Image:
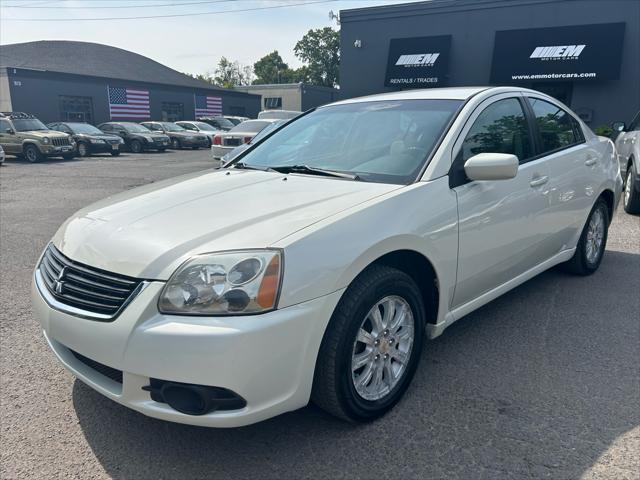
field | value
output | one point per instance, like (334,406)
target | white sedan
(317,263)
(225,142)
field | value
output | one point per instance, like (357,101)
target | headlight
(46,140)
(228,283)
(96,140)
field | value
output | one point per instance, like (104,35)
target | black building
(586,53)
(89,82)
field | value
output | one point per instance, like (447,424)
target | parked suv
(22,134)
(179,136)
(89,139)
(628,148)
(137,138)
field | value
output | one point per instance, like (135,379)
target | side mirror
(618,126)
(9,131)
(491,166)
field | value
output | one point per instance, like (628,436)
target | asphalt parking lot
(542,383)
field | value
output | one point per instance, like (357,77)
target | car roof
(448,93)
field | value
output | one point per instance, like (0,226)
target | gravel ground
(544,382)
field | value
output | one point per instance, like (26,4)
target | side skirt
(436,330)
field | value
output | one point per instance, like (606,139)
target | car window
(4,126)
(106,127)
(64,128)
(500,128)
(557,128)
(188,126)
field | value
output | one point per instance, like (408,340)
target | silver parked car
(200,127)
(628,148)
(224,142)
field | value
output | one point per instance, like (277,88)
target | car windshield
(224,123)
(250,126)
(28,124)
(266,130)
(84,128)
(134,128)
(172,127)
(381,141)
(204,126)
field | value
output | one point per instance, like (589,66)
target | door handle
(539,181)
(590,162)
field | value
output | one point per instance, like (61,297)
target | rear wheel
(631,196)
(372,346)
(136,146)
(83,149)
(32,153)
(592,243)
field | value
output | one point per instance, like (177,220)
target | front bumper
(104,147)
(195,142)
(53,150)
(267,359)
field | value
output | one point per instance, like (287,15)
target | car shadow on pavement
(539,383)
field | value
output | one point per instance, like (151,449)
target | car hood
(44,133)
(148,232)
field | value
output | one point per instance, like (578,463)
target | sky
(192,42)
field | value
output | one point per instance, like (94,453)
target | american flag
(207,106)
(128,103)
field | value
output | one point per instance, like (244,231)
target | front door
(499,221)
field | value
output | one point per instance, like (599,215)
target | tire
(136,146)
(31,153)
(175,144)
(83,149)
(334,384)
(583,263)
(115,154)
(631,194)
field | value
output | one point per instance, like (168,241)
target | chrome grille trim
(81,290)
(59,142)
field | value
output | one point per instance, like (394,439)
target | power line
(164,16)
(75,7)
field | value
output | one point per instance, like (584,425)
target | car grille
(87,288)
(112,373)
(60,142)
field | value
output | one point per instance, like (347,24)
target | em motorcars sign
(418,62)
(577,52)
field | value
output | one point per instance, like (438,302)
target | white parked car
(312,269)
(628,148)
(278,114)
(225,142)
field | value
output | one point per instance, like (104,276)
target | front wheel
(136,146)
(592,243)
(175,144)
(32,154)
(631,197)
(372,346)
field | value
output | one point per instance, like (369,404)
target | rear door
(572,166)
(8,137)
(499,221)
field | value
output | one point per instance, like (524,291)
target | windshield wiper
(314,171)
(250,167)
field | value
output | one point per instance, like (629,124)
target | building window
(172,111)
(76,109)
(271,103)
(238,111)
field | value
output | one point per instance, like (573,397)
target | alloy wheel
(382,348)
(595,236)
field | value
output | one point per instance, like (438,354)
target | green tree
(320,50)
(270,69)
(229,74)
